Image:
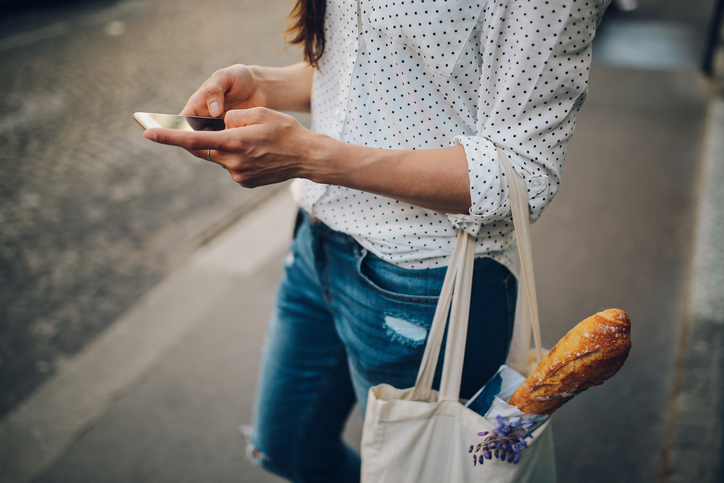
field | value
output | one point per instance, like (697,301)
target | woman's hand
(258,147)
(234,87)
(242,87)
(262,146)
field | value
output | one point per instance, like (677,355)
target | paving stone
(92,214)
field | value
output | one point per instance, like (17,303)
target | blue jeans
(345,321)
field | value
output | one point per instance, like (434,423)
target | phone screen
(184,123)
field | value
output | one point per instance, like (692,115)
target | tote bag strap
(518,195)
(452,367)
(462,256)
(456,293)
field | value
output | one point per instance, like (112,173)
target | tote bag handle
(521,335)
(455,300)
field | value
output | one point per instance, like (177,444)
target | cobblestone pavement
(91,214)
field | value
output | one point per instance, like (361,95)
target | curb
(696,434)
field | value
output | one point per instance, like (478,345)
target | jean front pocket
(400,284)
(436,30)
(387,312)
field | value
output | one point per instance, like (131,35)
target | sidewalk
(159,397)
(696,436)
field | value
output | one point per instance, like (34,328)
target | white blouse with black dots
(422,74)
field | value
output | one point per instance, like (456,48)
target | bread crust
(590,353)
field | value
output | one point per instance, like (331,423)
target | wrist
(284,88)
(352,166)
(327,160)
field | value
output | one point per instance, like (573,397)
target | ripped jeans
(344,321)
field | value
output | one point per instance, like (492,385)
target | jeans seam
(413,299)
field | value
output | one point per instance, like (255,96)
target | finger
(248,117)
(208,100)
(196,105)
(214,98)
(214,156)
(166,136)
(190,140)
(214,90)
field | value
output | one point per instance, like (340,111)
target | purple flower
(504,442)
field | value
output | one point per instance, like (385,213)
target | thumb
(214,97)
(215,91)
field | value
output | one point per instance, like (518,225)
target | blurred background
(94,219)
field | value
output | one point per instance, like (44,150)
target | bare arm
(263,146)
(436,179)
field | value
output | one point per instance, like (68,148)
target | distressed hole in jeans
(404,331)
(254,454)
(289,260)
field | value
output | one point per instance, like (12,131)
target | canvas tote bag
(419,435)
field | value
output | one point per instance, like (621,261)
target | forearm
(285,88)
(436,179)
(261,146)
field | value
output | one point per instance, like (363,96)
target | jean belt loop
(312,219)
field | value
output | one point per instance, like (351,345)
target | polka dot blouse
(422,74)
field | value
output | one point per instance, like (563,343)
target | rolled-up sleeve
(534,77)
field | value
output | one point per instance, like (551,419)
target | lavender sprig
(504,442)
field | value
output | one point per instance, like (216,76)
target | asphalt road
(91,214)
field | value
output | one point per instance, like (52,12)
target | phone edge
(145,120)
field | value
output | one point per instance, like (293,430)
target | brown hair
(307,28)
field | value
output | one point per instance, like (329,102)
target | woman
(410,100)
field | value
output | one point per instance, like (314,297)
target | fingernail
(214,109)
(151,135)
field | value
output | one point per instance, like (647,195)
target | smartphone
(184,123)
(503,385)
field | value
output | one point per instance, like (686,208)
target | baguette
(590,353)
